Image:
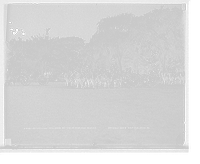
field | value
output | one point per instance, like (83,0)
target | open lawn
(54,116)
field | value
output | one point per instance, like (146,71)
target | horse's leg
(83,83)
(115,84)
(93,83)
(76,83)
(66,80)
(99,82)
(164,82)
(96,84)
(120,83)
(87,83)
(104,84)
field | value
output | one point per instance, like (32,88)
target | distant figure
(47,31)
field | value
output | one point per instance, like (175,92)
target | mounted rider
(68,77)
(107,78)
(117,78)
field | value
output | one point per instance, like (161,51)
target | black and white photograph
(95,76)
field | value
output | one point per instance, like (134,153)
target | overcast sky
(66,19)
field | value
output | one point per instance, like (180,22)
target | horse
(79,79)
(68,77)
(117,78)
(181,77)
(88,77)
(94,80)
(106,78)
(99,78)
(172,78)
(164,76)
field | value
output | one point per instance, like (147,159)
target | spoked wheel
(43,80)
(133,80)
(144,80)
(25,80)
(152,81)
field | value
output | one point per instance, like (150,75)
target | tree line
(154,41)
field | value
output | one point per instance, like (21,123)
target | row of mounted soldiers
(98,78)
(172,77)
(123,79)
(95,79)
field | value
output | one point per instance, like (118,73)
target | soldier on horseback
(117,78)
(181,76)
(68,77)
(107,78)
(88,77)
(99,77)
(94,80)
(164,76)
(79,79)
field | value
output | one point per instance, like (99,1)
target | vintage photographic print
(95,76)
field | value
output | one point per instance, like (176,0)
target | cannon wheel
(152,81)
(144,81)
(25,80)
(133,80)
(42,80)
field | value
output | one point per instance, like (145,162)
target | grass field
(101,118)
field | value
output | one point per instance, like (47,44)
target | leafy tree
(168,42)
(111,33)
